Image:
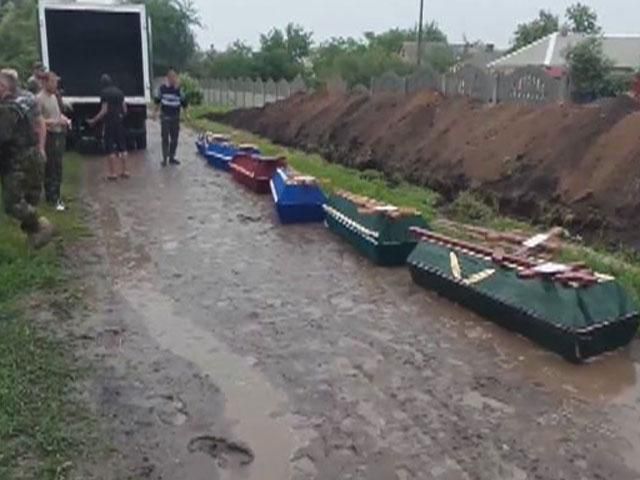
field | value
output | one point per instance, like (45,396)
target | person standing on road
(29,102)
(171,101)
(113,111)
(57,125)
(21,165)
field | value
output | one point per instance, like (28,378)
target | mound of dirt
(568,164)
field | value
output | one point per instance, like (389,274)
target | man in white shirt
(57,125)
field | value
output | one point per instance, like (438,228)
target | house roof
(551,51)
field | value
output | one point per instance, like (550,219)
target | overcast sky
(488,20)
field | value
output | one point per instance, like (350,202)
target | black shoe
(173,161)
(164,163)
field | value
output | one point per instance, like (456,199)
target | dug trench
(562,164)
(224,345)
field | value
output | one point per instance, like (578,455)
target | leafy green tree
(583,19)
(174,43)
(527,33)
(192,91)
(282,53)
(235,62)
(392,40)
(592,71)
(18,35)
(439,57)
(356,62)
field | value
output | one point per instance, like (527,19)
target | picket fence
(524,85)
(248,93)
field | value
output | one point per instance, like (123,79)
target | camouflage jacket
(17,137)
(28,102)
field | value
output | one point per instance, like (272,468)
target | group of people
(32,142)
(169,99)
(33,136)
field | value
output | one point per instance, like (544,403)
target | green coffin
(384,240)
(577,323)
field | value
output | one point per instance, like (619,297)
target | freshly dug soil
(566,164)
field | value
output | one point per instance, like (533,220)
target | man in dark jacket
(113,110)
(171,101)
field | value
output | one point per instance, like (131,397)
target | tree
(174,43)
(235,62)
(582,19)
(392,40)
(527,33)
(18,35)
(592,71)
(439,57)
(282,53)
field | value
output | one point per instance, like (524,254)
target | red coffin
(255,171)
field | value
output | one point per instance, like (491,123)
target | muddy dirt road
(231,347)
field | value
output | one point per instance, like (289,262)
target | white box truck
(81,41)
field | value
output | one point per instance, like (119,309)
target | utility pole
(420,23)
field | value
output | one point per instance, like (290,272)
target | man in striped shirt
(171,100)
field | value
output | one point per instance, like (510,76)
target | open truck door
(81,42)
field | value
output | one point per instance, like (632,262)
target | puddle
(228,455)
(250,400)
(608,379)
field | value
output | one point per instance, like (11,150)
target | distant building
(550,52)
(478,54)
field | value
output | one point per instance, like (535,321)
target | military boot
(43,236)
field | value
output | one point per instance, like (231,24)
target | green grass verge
(333,176)
(467,208)
(41,428)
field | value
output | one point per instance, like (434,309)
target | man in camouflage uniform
(21,164)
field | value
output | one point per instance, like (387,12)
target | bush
(470,208)
(191,89)
(592,72)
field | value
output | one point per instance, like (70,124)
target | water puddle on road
(251,401)
(608,379)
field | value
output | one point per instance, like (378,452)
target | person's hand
(42,153)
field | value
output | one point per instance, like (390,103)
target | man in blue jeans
(171,101)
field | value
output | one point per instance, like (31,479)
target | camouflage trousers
(56,143)
(22,188)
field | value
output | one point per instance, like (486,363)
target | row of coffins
(566,308)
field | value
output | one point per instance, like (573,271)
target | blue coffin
(201,145)
(209,142)
(298,199)
(220,155)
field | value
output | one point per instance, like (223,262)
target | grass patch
(23,270)
(333,176)
(467,208)
(40,427)
(470,208)
(623,266)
